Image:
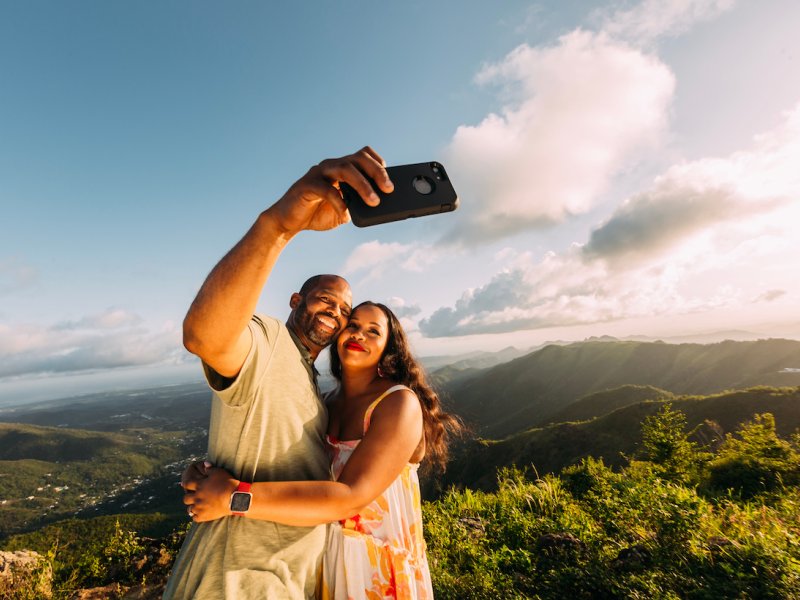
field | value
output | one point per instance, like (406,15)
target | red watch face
(240,501)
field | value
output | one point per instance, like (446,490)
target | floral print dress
(379,552)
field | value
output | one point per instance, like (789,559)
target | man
(267,420)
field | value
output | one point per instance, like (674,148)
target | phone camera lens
(423,185)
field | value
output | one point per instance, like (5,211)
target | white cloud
(689,198)
(577,113)
(112,339)
(668,215)
(112,318)
(580,111)
(706,235)
(564,290)
(652,19)
(403,308)
(373,256)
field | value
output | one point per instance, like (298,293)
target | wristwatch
(241,498)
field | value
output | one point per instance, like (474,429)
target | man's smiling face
(319,316)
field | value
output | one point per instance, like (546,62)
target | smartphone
(420,189)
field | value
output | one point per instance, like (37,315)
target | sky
(623,168)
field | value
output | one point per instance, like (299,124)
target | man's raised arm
(215,328)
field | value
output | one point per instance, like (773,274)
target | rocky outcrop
(24,569)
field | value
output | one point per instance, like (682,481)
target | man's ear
(294,300)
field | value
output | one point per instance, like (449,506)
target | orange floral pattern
(380,552)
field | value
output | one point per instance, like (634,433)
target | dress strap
(371,407)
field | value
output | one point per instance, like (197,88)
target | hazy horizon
(22,391)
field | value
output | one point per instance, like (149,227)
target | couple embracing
(304,496)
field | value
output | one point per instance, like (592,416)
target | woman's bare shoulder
(402,400)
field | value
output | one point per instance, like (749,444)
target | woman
(384,420)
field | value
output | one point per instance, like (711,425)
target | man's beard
(311,329)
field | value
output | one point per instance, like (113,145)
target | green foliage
(74,536)
(616,435)
(666,445)
(664,437)
(755,460)
(116,553)
(101,551)
(642,531)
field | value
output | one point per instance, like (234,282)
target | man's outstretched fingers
(344,171)
(370,163)
(378,158)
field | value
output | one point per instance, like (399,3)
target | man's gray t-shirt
(268,425)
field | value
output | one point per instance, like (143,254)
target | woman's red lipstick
(354,346)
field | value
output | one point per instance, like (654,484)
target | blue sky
(623,168)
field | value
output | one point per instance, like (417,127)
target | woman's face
(363,340)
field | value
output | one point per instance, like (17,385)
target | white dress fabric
(379,552)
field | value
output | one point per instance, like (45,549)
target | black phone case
(406,201)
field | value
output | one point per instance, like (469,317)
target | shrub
(595,533)
(754,460)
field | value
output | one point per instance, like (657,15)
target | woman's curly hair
(399,365)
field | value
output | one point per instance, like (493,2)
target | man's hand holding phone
(314,202)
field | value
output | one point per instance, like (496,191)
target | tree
(665,443)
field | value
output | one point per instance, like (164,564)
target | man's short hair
(313,282)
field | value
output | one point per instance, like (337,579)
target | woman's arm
(395,432)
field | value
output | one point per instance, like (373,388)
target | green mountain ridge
(614,435)
(529,391)
(53,444)
(600,403)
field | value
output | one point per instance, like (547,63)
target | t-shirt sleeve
(241,389)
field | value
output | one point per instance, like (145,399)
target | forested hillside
(530,391)
(615,435)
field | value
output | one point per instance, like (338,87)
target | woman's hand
(208,498)
(195,472)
